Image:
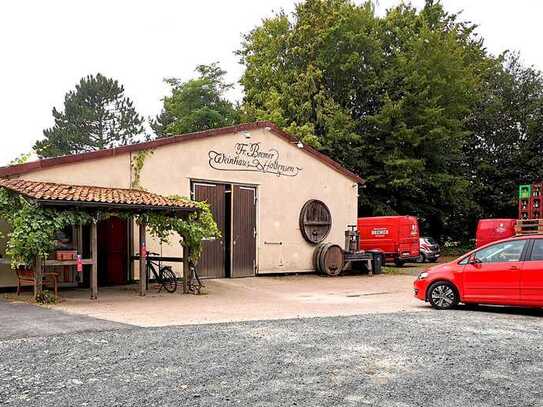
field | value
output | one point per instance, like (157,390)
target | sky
(47,46)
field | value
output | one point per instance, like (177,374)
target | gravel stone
(451,358)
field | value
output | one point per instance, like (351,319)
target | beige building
(257,178)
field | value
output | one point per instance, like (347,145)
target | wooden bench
(27,276)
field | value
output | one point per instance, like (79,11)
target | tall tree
(96,115)
(197,104)
(507,142)
(385,96)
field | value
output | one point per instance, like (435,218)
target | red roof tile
(47,191)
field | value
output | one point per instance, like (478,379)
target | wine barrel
(329,259)
(317,256)
(315,221)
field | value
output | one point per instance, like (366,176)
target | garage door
(212,262)
(244,231)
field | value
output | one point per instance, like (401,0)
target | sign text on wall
(252,157)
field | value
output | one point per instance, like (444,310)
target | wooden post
(78,233)
(79,239)
(38,276)
(186,270)
(143,260)
(94,269)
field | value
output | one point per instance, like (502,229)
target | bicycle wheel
(169,279)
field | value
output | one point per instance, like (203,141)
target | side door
(112,251)
(212,261)
(531,282)
(492,274)
(244,231)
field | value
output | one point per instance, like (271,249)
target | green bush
(46,297)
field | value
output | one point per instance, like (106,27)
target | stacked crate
(530,200)
(529,208)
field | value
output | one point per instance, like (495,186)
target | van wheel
(443,295)
(421,258)
(399,263)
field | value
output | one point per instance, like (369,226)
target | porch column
(94,269)
(186,270)
(143,260)
(79,238)
(38,276)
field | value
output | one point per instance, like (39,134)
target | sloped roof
(94,196)
(21,169)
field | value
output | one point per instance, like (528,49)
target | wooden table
(51,263)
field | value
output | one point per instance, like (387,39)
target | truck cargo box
(396,236)
(490,230)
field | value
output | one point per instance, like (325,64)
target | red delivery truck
(396,236)
(490,230)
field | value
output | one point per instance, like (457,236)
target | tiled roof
(20,169)
(100,196)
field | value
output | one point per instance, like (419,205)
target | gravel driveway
(18,320)
(403,359)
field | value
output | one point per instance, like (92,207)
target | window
(501,252)
(430,240)
(537,251)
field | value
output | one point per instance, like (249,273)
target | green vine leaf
(33,228)
(137,163)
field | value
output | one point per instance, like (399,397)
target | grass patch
(409,270)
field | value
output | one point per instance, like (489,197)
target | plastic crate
(524,192)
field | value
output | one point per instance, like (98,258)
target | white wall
(170,168)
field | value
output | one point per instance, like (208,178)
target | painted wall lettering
(379,232)
(252,157)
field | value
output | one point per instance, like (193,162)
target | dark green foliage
(409,101)
(96,115)
(197,104)
(507,146)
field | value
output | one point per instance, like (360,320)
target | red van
(396,236)
(490,230)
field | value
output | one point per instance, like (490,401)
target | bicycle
(165,275)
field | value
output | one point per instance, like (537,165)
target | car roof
(508,239)
(517,237)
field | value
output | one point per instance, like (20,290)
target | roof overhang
(97,198)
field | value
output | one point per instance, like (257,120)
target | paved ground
(251,299)
(25,320)
(455,358)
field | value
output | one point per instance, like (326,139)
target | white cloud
(47,46)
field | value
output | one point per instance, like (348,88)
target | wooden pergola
(96,200)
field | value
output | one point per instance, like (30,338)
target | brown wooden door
(243,231)
(212,261)
(112,251)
